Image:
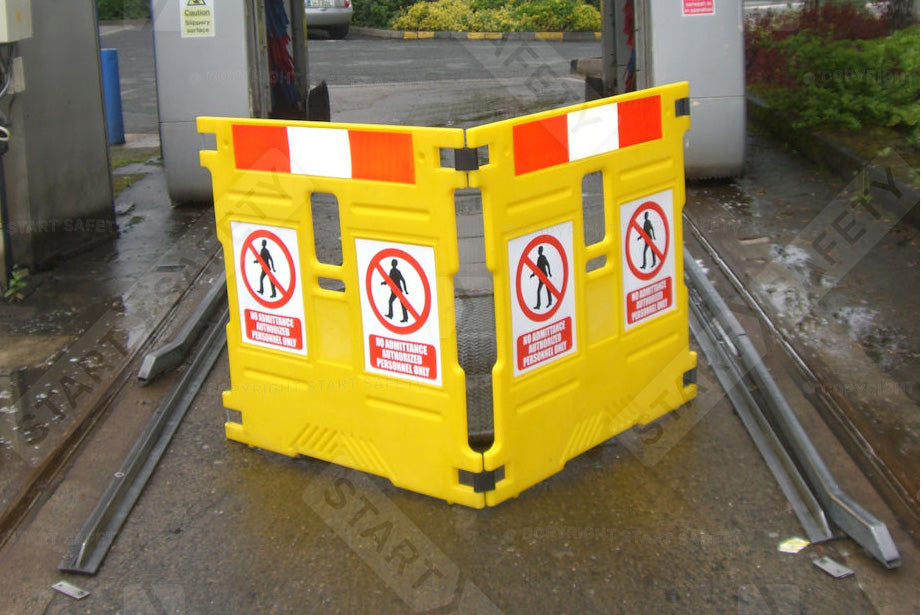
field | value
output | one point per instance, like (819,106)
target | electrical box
(15,20)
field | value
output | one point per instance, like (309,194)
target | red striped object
(325,152)
(547,142)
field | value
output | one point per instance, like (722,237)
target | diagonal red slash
(265,267)
(647,239)
(557,294)
(396,290)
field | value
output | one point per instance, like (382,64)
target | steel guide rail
(901,500)
(172,354)
(92,542)
(745,378)
(722,353)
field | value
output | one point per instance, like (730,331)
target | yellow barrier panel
(365,373)
(584,353)
(354,363)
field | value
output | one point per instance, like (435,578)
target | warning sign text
(697,7)
(649,300)
(545,343)
(281,331)
(410,358)
(197,19)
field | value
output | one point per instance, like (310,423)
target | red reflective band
(541,144)
(382,156)
(639,121)
(261,148)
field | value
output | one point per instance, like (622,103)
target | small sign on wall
(697,7)
(196,18)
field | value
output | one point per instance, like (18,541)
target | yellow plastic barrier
(326,373)
(612,350)
(367,376)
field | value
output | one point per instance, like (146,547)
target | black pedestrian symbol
(266,258)
(543,267)
(399,285)
(405,273)
(648,236)
(653,233)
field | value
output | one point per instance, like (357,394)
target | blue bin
(112,96)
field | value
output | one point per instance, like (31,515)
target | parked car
(334,16)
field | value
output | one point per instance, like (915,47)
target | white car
(334,16)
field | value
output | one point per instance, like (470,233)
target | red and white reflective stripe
(588,132)
(325,152)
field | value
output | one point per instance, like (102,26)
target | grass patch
(123,182)
(123,156)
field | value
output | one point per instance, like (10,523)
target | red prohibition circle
(523,305)
(647,275)
(375,265)
(248,246)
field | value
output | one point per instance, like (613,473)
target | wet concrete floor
(838,277)
(683,518)
(679,517)
(84,320)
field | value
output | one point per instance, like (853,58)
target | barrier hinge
(682,107)
(466,159)
(482,481)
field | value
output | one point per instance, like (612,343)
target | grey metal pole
(609,52)
(299,51)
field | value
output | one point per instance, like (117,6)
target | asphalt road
(538,71)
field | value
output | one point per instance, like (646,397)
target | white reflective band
(593,131)
(323,152)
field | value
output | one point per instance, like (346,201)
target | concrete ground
(683,517)
(684,521)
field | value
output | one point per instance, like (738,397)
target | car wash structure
(236,58)
(646,43)
(357,362)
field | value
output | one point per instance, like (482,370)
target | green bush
(438,15)
(557,15)
(847,83)
(123,9)
(498,16)
(378,13)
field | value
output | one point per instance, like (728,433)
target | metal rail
(92,542)
(744,376)
(719,350)
(902,500)
(172,354)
